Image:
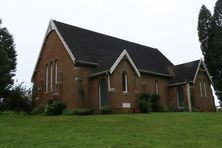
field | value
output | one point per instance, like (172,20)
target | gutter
(86,63)
(155,73)
(179,83)
(99,73)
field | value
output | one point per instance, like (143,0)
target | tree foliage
(210,37)
(7,61)
(204,26)
(18,99)
(217,16)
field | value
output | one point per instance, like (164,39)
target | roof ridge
(99,33)
(187,62)
(144,57)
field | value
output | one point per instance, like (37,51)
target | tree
(18,99)
(7,61)
(216,45)
(204,26)
(217,17)
(210,37)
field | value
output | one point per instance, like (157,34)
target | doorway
(103,93)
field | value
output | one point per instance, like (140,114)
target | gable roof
(103,50)
(184,72)
(188,72)
(204,69)
(126,55)
(104,53)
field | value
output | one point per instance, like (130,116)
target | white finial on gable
(51,26)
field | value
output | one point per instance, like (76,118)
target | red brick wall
(147,82)
(66,88)
(72,78)
(135,87)
(205,103)
(118,96)
(202,103)
(172,97)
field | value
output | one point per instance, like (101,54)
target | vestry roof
(103,50)
(185,72)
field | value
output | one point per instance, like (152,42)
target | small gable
(124,55)
(52,28)
(184,72)
(202,68)
(187,72)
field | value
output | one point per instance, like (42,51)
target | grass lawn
(122,130)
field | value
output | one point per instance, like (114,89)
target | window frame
(56,72)
(124,82)
(156,87)
(51,76)
(204,88)
(201,89)
(46,77)
(180,90)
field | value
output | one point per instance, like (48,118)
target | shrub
(169,108)
(68,112)
(194,109)
(145,103)
(78,111)
(145,106)
(37,110)
(106,110)
(17,100)
(155,101)
(12,113)
(145,96)
(54,107)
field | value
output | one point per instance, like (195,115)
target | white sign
(126,105)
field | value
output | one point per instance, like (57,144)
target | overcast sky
(169,25)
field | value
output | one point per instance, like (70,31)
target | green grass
(126,130)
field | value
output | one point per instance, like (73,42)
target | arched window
(180,97)
(46,77)
(103,93)
(144,86)
(55,73)
(204,88)
(124,82)
(156,87)
(51,76)
(201,92)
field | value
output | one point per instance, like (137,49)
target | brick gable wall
(116,97)
(203,103)
(68,74)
